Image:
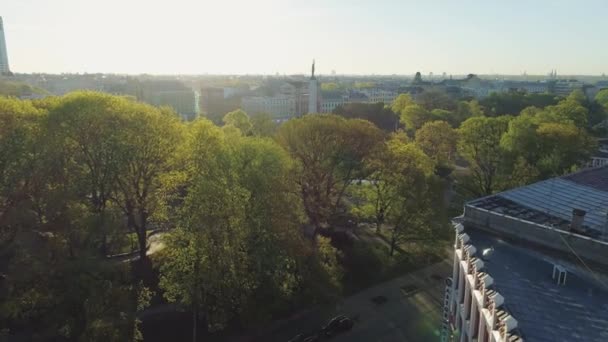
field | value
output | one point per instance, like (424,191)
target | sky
(283,36)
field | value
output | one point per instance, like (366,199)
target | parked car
(306,338)
(313,338)
(337,325)
(297,338)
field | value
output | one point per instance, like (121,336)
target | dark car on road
(337,325)
(306,338)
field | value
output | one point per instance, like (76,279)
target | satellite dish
(487,253)
(448,281)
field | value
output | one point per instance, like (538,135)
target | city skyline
(269,37)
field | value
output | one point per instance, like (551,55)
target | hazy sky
(269,36)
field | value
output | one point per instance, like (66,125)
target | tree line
(245,211)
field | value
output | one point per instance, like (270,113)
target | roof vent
(559,274)
(487,253)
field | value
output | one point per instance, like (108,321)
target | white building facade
(474,310)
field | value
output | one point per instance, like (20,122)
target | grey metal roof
(545,311)
(551,202)
(557,197)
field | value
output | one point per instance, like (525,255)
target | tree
(435,99)
(240,120)
(377,113)
(479,144)
(401,102)
(464,110)
(569,110)
(544,147)
(329,151)
(56,240)
(237,242)
(150,140)
(438,140)
(407,183)
(563,147)
(414,116)
(262,125)
(20,123)
(602,98)
(513,102)
(85,125)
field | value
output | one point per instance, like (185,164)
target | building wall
(184,102)
(277,106)
(328,105)
(474,308)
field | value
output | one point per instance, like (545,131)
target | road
(411,311)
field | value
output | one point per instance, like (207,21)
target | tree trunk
(194,323)
(142,239)
(393,243)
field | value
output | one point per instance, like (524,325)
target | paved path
(412,316)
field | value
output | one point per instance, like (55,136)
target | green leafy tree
(438,140)
(262,125)
(56,239)
(479,144)
(240,120)
(329,151)
(464,110)
(407,181)
(414,116)
(513,102)
(435,99)
(602,98)
(150,141)
(401,102)
(551,148)
(237,243)
(569,110)
(86,130)
(376,113)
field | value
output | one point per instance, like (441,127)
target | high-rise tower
(313,92)
(4,69)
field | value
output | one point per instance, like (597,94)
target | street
(407,308)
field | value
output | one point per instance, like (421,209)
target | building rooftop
(551,202)
(544,310)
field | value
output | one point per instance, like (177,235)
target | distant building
(538,87)
(565,87)
(277,106)
(376,95)
(600,156)
(210,99)
(530,264)
(332,100)
(298,91)
(4,68)
(184,102)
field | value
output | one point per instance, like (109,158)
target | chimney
(559,274)
(578,216)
